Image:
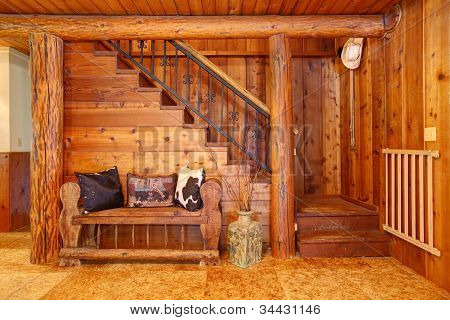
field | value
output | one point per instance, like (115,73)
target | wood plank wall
(317,125)
(90,147)
(402,87)
(14,191)
(246,60)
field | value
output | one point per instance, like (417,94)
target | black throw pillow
(101,190)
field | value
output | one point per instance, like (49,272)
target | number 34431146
(289,309)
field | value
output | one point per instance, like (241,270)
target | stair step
(343,244)
(149,89)
(195,126)
(191,148)
(173,107)
(217,144)
(343,236)
(127,71)
(333,222)
(105,53)
(320,206)
(122,117)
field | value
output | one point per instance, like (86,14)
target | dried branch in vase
(240,184)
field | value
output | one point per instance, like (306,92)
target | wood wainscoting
(14,191)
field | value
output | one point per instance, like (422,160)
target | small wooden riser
(340,250)
(349,223)
(208,257)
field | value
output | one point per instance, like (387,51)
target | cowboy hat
(351,54)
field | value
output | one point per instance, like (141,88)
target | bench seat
(127,216)
(74,250)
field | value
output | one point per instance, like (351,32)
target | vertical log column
(46,71)
(282,233)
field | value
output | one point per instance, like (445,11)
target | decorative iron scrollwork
(185,79)
(233,116)
(208,97)
(169,63)
(142,44)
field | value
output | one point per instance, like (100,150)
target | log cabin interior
(353,162)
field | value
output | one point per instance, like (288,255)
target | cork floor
(351,278)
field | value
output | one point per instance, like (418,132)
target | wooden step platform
(344,244)
(333,226)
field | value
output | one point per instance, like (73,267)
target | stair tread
(217,144)
(343,236)
(149,89)
(173,107)
(127,71)
(195,126)
(311,206)
(105,53)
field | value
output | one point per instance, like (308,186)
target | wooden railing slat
(393,191)
(421,201)
(413,196)
(401,199)
(399,192)
(405,194)
(430,199)
(386,159)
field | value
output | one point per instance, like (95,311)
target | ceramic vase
(244,240)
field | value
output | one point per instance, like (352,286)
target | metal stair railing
(237,106)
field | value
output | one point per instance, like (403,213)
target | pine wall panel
(402,87)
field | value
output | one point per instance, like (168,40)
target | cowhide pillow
(148,192)
(187,193)
(101,190)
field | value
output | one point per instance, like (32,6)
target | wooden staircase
(332,226)
(115,115)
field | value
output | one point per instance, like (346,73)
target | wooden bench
(71,222)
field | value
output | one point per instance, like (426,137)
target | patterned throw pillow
(187,194)
(101,190)
(151,191)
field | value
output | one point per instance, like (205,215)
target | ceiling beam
(191,27)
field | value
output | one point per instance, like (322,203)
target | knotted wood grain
(46,70)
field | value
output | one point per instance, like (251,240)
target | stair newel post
(46,175)
(282,230)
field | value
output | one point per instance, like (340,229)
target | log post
(46,71)
(282,229)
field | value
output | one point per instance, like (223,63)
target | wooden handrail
(223,75)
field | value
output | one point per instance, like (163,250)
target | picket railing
(409,196)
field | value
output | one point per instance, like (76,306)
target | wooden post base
(72,256)
(210,262)
(68,262)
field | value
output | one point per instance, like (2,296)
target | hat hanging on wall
(351,53)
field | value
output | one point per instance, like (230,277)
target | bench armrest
(211,193)
(70,194)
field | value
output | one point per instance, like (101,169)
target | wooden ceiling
(186,7)
(195,7)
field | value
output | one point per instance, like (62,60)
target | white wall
(4,100)
(19,102)
(15,103)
